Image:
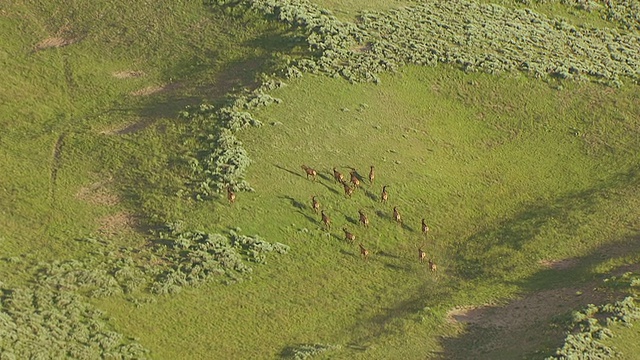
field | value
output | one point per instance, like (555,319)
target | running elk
(425,228)
(338,175)
(348,236)
(364,220)
(310,172)
(354,179)
(385,195)
(315,204)
(231,196)
(372,175)
(348,190)
(421,255)
(432,266)
(396,215)
(364,252)
(325,220)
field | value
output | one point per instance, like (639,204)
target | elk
(338,175)
(315,204)
(325,220)
(364,220)
(348,236)
(364,252)
(231,196)
(385,195)
(421,255)
(354,179)
(425,228)
(396,215)
(432,266)
(348,191)
(372,175)
(310,172)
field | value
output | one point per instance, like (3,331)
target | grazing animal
(315,204)
(325,220)
(354,179)
(396,215)
(425,228)
(432,266)
(421,255)
(338,175)
(348,190)
(364,252)
(385,195)
(364,220)
(231,196)
(348,236)
(310,172)
(372,175)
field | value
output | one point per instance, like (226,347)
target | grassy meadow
(529,187)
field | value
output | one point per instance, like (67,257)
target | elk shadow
(311,219)
(407,227)
(287,170)
(295,203)
(371,195)
(347,253)
(330,188)
(324,176)
(351,220)
(381,214)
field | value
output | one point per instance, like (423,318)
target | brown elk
(348,236)
(421,255)
(425,228)
(354,179)
(338,175)
(310,172)
(364,220)
(364,252)
(432,266)
(372,175)
(385,195)
(325,220)
(231,196)
(315,204)
(348,190)
(396,215)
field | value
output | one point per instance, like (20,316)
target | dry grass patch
(98,194)
(54,42)
(117,224)
(559,264)
(129,128)
(155,89)
(126,74)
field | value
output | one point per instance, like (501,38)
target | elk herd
(349,189)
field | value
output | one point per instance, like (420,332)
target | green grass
(507,170)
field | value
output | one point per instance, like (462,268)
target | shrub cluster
(477,37)
(221,160)
(584,339)
(194,257)
(44,323)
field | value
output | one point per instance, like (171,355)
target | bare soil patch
(127,74)
(54,42)
(539,306)
(98,194)
(116,224)
(155,89)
